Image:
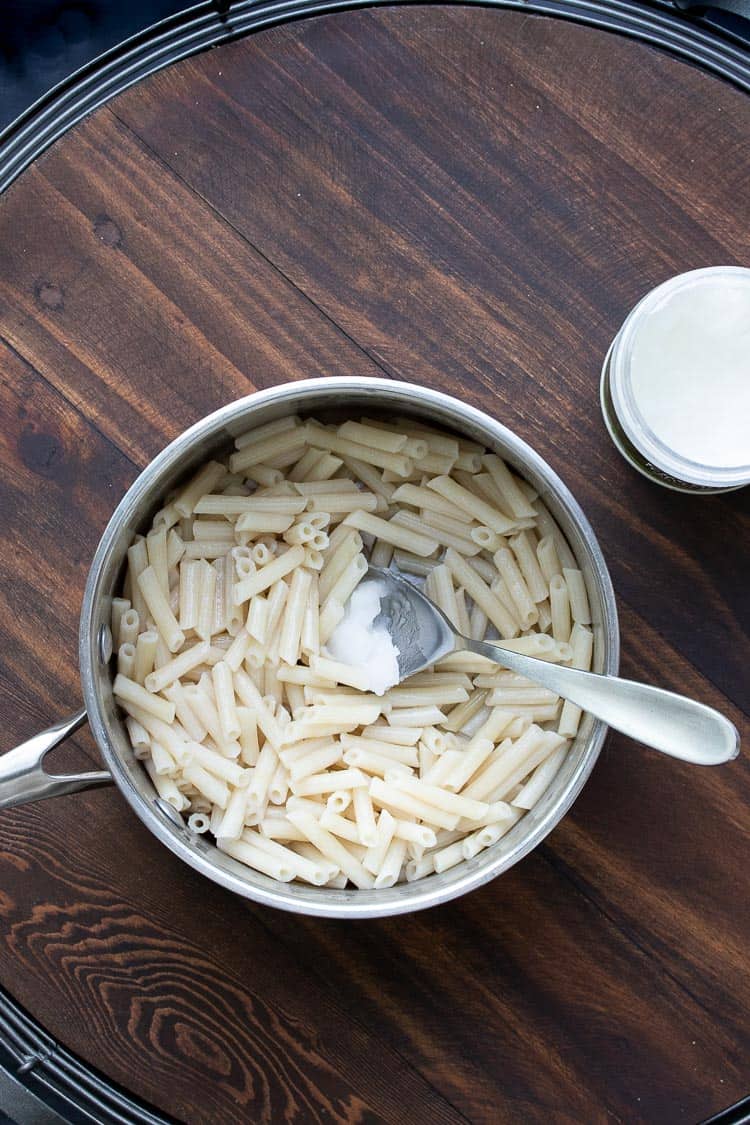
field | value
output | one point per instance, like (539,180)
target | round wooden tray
(471,199)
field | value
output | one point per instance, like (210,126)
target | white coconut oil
(363,642)
(676,383)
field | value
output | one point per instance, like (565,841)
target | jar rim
(634,425)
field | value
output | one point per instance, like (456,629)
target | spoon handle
(671,723)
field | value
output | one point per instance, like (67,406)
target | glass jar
(675,388)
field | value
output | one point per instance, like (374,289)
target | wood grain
(472,200)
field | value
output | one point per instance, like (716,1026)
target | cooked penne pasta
(479,509)
(559,608)
(277,752)
(581,644)
(325,439)
(394,534)
(579,600)
(268,575)
(479,592)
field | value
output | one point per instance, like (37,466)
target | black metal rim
(71,1088)
(655,22)
(61,1088)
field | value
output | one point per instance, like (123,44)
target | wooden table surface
(472,200)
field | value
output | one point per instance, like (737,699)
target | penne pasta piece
(348,581)
(410,564)
(448,857)
(579,600)
(392,797)
(311,867)
(546,525)
(481,595)
(128,690)
(459,805)
(406,755)
(515,584)
(375,854)
(549,562)
(462,713)
(249,695)
(421,717)
(293,617)
(541,779)
(167,517)
(430,501)
(156,547)
(373,763)
(511,762)
(392,533)
(145,654)
(399,736)
(263,522)
(336,502)
(212,787)
(137,563)
(444,594)
(213,529)
(472,759)
(545,616)
(507,486)
(514,696)
(371,478)
(325,439)
(229,721)
(232,823)
(331,848)
(528,564)
(126,661)
(424,696)
(428,531)
(120,606)
(376,437)
(176,668)
(267,448)
(559,608)
(203,482)
(249,749)
(420,868)
(268,575)
(478,508)
(324,467)
(336,672)
(237,651)
(310,637)
(393,860)
(581,645)
(541,646)
(158,607)
(166,788)
(260,433)
(139,737)
(435,772)
(252,856)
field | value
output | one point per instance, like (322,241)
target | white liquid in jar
(690,371)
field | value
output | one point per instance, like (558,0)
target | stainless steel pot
(23,778)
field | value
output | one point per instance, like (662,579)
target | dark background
(43,41)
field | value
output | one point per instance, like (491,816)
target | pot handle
(23,778)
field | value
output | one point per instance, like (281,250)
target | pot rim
(348,903)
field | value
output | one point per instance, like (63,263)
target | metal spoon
(671,723)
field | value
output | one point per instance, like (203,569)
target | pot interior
(213,437)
